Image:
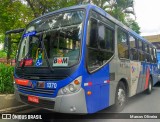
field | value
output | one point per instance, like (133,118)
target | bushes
(6,78)
(3,54)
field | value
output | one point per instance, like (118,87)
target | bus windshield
(54,40)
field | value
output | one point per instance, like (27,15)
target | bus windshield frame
(52,41)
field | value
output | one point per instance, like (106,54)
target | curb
(13,109)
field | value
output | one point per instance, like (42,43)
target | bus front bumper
(71,103)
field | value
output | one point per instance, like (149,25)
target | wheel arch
(125,82)
(120,104)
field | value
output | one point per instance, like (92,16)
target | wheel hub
(121,97)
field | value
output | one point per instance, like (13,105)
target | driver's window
(24,48)
(100,45)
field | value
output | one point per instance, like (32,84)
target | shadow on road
(157,84)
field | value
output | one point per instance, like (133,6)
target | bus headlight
(71,88)
(64,90)
(74,86)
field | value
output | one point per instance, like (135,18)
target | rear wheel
(120,98)
(149,90)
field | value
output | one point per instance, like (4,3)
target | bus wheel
(149,90)
(120,98)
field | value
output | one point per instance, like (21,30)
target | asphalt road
(141,103)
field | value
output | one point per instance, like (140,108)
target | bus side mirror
(16,57)
(8,42)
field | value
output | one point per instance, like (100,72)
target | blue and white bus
(82,60)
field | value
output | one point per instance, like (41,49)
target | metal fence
(10,61)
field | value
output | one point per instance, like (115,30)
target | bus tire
(120,97)
(149,89)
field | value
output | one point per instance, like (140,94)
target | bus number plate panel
(51,85)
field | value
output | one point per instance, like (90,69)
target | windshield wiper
(41,39)
(45,53)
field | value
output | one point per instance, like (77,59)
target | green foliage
(133,25)
(6,79)
(2,38)
(121,10)
(15,39)
(41,7)
(13,14)
(3,54)
(101,3)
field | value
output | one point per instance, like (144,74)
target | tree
(133,25)
(41,7)
(121,10)
(18,13)
(13,14)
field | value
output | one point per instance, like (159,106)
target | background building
(154,39)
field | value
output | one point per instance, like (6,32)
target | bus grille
(40,77)
(36,90)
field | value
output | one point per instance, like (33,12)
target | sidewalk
(8,102)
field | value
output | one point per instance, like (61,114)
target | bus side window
(149,54)
(93,41)
(133,48)
(105,37)
(140,52)
(92,46)
(141,55)
(122,44)
(154,56)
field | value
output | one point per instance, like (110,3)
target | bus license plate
(33,99)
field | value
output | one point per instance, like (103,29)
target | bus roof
(15,31)
(87,7)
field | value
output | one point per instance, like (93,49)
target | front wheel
(120,98)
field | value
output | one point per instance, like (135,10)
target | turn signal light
(76,82)
(89,93)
